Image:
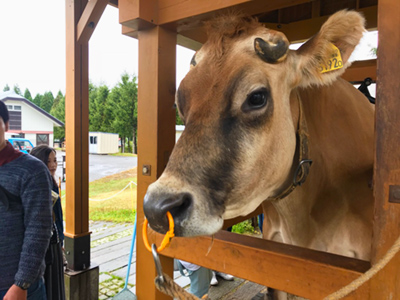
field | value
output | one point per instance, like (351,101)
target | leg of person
(58,288)
(48,280)
(200,281)
(214,280)
(261,221)
(37,290)
(224,275)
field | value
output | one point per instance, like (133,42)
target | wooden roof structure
(161,24)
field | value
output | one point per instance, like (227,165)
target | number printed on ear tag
(333,63)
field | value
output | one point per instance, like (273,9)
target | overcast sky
(32,47)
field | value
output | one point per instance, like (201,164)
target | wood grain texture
(386,284)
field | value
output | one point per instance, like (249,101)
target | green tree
(17,90)
(38,99)
(100,114)
(178,118)
(27,95)
(46,102)
(56,101)
(123,98)
(58,111)
(6,88)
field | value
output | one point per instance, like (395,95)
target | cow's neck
(340,123)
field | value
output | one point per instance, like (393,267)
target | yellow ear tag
(333,63)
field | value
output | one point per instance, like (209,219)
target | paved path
(110,246)
(100,165)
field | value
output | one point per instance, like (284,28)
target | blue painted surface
(21,144)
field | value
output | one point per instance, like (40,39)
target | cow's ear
(325,57)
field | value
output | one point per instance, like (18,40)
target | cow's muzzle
(156,205)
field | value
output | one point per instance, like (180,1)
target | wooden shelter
(161,24)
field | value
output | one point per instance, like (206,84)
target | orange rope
(167,238)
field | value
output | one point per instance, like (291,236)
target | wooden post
(156,137)
(386,284)
(77,235)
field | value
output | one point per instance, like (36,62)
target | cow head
(239,142)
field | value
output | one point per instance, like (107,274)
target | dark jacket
(25,226)
(58,216)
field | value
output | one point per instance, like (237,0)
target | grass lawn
(107,202)
(122,154)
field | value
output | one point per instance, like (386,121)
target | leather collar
(304,164)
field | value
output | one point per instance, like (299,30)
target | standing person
(54,274)
(25,220)
(200,277)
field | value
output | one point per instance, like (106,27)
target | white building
(178,131)
(28,120)
(103,142)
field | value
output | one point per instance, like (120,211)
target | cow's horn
(271,51)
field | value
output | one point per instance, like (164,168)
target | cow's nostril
(156,207)
(181,211)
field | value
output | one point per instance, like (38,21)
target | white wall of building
(178,131)
(33,122)
(103,142)
(32,116)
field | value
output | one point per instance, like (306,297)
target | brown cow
(253,109)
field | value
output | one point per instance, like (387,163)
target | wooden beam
(156,136)
(303,272)
(193,35)
(360,70)
(128,31)
(172,10)
(303,30)
(113,3)
(76,115)
(186,17)
(295,32)
(89,19)
(181,40)
(138,14)
(316,9)
(386,284)
(77,132)
(188,43)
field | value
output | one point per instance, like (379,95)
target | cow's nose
(156,206)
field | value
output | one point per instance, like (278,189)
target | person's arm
(37,206)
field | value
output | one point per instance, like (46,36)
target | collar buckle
(302,170)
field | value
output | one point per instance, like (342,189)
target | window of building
(93,140)
(15,120)
(17,107)
(42,139)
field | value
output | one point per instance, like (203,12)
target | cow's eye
(256,100)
